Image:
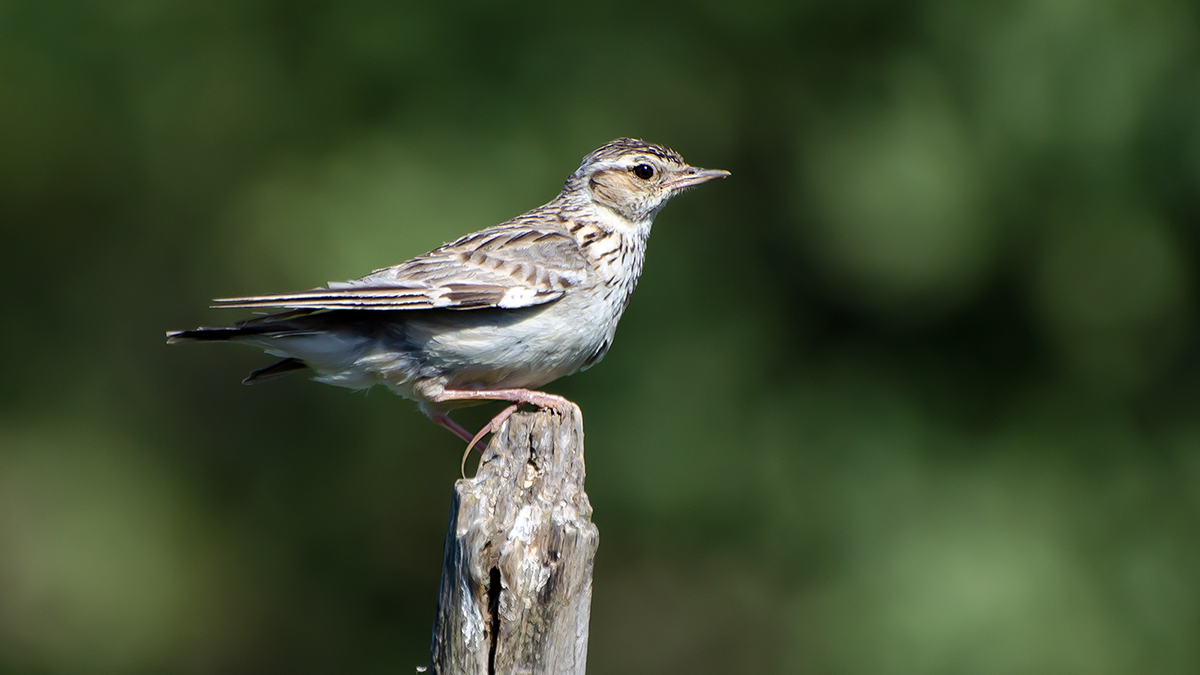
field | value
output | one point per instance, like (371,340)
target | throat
(613,221)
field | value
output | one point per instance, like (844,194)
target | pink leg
(517,396)
(455,428)
(539,398)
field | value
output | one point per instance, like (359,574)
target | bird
(492,316)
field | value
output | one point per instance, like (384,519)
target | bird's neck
(581,208)
(615,244)
(611,221)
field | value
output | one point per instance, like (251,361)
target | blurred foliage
(915,391)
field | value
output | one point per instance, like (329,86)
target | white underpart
(340,359)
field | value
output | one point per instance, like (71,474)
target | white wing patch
(517,296)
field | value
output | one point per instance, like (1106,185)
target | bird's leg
(539,398)
(518,396)
(455,428)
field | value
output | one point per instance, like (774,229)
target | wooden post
(516,586)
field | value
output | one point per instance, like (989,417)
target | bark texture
(516,586)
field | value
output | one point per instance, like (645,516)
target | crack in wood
(494,614)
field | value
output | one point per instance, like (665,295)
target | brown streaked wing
(509,266)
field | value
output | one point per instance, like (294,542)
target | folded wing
(508,266)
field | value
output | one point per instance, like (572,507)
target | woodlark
(488,317)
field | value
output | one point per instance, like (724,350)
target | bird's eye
(643,171)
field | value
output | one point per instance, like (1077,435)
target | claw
(516,396)
(487,428)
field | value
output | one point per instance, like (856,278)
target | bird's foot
(516,396)
(538,398)
(488,428)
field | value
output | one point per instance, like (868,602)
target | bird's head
(635,178)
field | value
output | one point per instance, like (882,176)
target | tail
(270,324)
(220,334)
(277,369)
(248,328)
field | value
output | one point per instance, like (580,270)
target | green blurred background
(915,391)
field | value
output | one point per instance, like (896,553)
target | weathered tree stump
(516,586)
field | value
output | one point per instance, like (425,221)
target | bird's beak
(694,176)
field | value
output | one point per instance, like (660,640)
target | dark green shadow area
(915,391)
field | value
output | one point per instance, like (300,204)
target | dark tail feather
(212,334)
(270,324)
(277,369)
